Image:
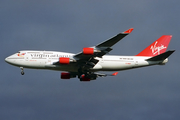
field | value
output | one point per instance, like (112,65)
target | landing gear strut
(86,73)
(22,70)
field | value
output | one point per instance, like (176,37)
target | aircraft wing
(102,48)
(86,58)
(115,39)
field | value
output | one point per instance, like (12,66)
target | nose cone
(14,60)
(7,60)
(10,59)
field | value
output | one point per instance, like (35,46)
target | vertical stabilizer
(158,47)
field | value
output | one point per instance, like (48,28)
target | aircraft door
(26,57)
(136,62)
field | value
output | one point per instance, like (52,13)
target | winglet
(115,39)
(129,30)
(114,74)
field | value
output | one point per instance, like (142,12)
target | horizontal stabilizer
(162,56)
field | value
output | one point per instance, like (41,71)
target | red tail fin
(157,47)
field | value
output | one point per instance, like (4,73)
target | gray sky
(140,94)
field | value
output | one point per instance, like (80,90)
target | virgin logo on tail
(156,49)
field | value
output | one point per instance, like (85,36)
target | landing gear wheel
(22,72)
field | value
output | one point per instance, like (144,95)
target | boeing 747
(86,64)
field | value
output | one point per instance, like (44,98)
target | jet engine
(65,60)
(90,51)
(67,75)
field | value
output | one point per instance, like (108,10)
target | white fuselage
(45,60)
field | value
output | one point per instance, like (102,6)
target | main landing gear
(22,70)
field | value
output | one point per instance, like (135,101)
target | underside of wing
(85,77)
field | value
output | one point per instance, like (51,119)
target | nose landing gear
(22,70)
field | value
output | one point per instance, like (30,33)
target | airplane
(86,64)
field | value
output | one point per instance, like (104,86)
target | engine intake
(88,51)
(67,75)
(64,60)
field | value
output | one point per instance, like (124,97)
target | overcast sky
(151,93)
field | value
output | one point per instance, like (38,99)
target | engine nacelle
(66,75)
(88,51)
(64,60)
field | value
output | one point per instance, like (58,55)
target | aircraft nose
(7,60)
